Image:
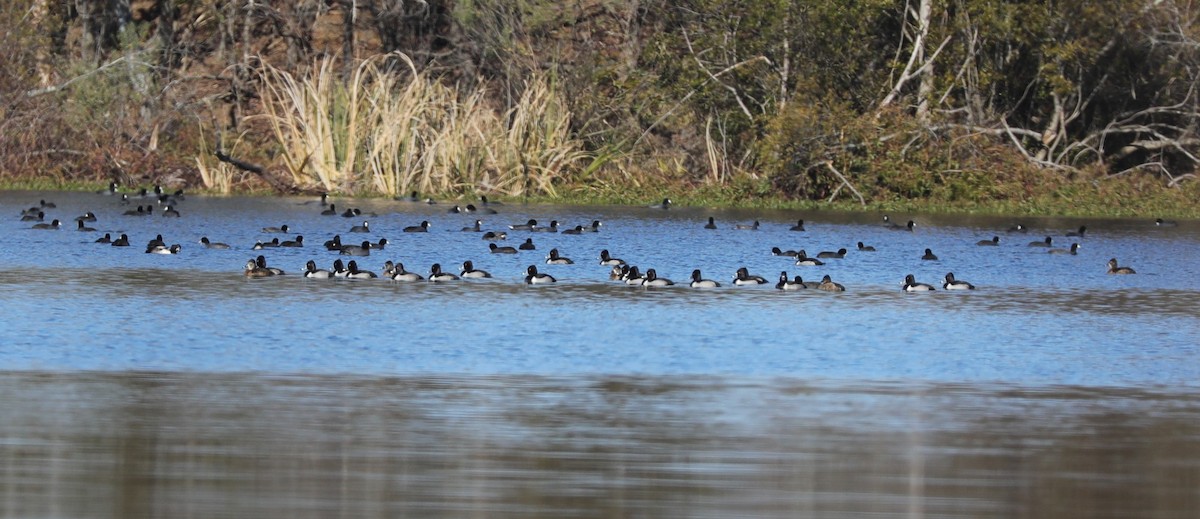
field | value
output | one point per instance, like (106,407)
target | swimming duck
(776,251)
(700,282)
(1042,243)
(399,274)
(949,283)
(607,260)
(455,210)
(351,213)
(929,256)
(437,276)
(994,242)
(213,245)
(527,226)
(107,238)
(121,241)
(81,227)
(617,272)
(112,189)
(786,284)
(298,242)
(743,277)
(33,217)
(1114,269)
(260,245)
(53,225)
(1159,222)
(478,227)
(652,280)
(163,249)
(798,227)
(1079,232)
(594,227)
(311,271)
(261,261)
(87,217)
(1018,228)
(528,245)
(412,197)
(1074,250)
(380,245)
(578,229)
(554,259)
(352,272)
(865,248)
(483,200)
(828,285)
(802,260)
(910,226)
(252,270)
(47,205)
(745,227)
(339,269)
(365,227)
(331,211)
(481,210)
(334,243)
(533,277)
(841,253)
(422,227)
(495,236)
(356,250)
(496,249)
(631,276)
(665,204)
(911,285)
(553,227)
(712,224)
(170,212)
(469,271)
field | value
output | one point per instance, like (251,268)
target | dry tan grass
(391,132)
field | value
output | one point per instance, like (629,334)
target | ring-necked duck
(1074,250)
(776,251)
(158,240)
(1114,269)
(311,271)
(399,274)
(533,277)
(1042,243)
(81,227)
(496,249)
(865,248)
(252,270)
(712,224)
(351,213)
(798,227)
(841,253)
(298,242)
(478,227)
(527,226)
(380,245)
(594,227)
(170,212)
(911,285)
(87,217)
(33,217)
(334,243)
(554,259)
(1018,228)
(352,272)
(365,227)
(994,242)
(107,238)
(652,280)
(607,260)
(787,284)
(261,261)
(910,226)
(468,270)
(949,283)
(455,210)
(743,277)
(112,189)
(331,211)
(495,236)
(121,241)
(528,245)
(163,249)
(53,225)
(260,245)
(1078,233)
(700,282)
(617,272)
(356,250)
(665,204)
(632,277)
(339,269)
(745,227)
(578,229)
(437,276)
(929,256)
(553,227)
(1159,222)
(802,260)
(213,245)
(828,285)
(422,227)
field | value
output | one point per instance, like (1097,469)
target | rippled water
(148,385)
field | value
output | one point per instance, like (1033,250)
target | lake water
(144,385)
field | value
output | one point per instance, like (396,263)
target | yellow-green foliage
(388,132)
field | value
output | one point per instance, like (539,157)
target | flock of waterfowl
(620,271)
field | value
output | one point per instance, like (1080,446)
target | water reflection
(200,445)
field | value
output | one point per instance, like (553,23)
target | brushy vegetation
(1059,107)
